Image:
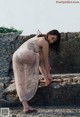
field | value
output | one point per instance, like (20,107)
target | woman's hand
(50,77)
(47,82)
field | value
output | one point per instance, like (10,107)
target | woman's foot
(29,110)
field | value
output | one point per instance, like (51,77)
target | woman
(28,59)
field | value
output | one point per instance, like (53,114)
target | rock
(65,89)
(67,61)
(1,90)
(7,48)
(48,111)
(10,89)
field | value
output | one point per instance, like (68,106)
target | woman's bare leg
(25,104)
(19,75)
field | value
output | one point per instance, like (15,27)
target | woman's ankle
(25,104)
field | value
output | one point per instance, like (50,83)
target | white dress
(26,69)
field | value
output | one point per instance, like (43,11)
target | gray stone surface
(47,111)
(67,61)
(65,93)
(6,50)
(10,89)
(1,90)
(64,90)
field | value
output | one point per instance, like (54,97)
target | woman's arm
(42,60)
(45,57)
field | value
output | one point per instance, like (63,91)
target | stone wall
(67,61)
(7,48)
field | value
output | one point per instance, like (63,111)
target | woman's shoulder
(41,41)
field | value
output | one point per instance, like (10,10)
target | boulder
(64,89)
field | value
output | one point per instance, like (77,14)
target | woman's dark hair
(56,45)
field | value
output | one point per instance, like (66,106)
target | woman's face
(52,38)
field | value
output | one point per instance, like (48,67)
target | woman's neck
(46,39)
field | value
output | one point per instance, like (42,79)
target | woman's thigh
(27,56)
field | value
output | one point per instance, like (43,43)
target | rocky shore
(64,90)
(47,111)
(62,97)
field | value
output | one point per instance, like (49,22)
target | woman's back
(30,44)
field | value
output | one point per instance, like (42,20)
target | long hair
(56,45)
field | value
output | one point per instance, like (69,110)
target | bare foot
(29,110)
